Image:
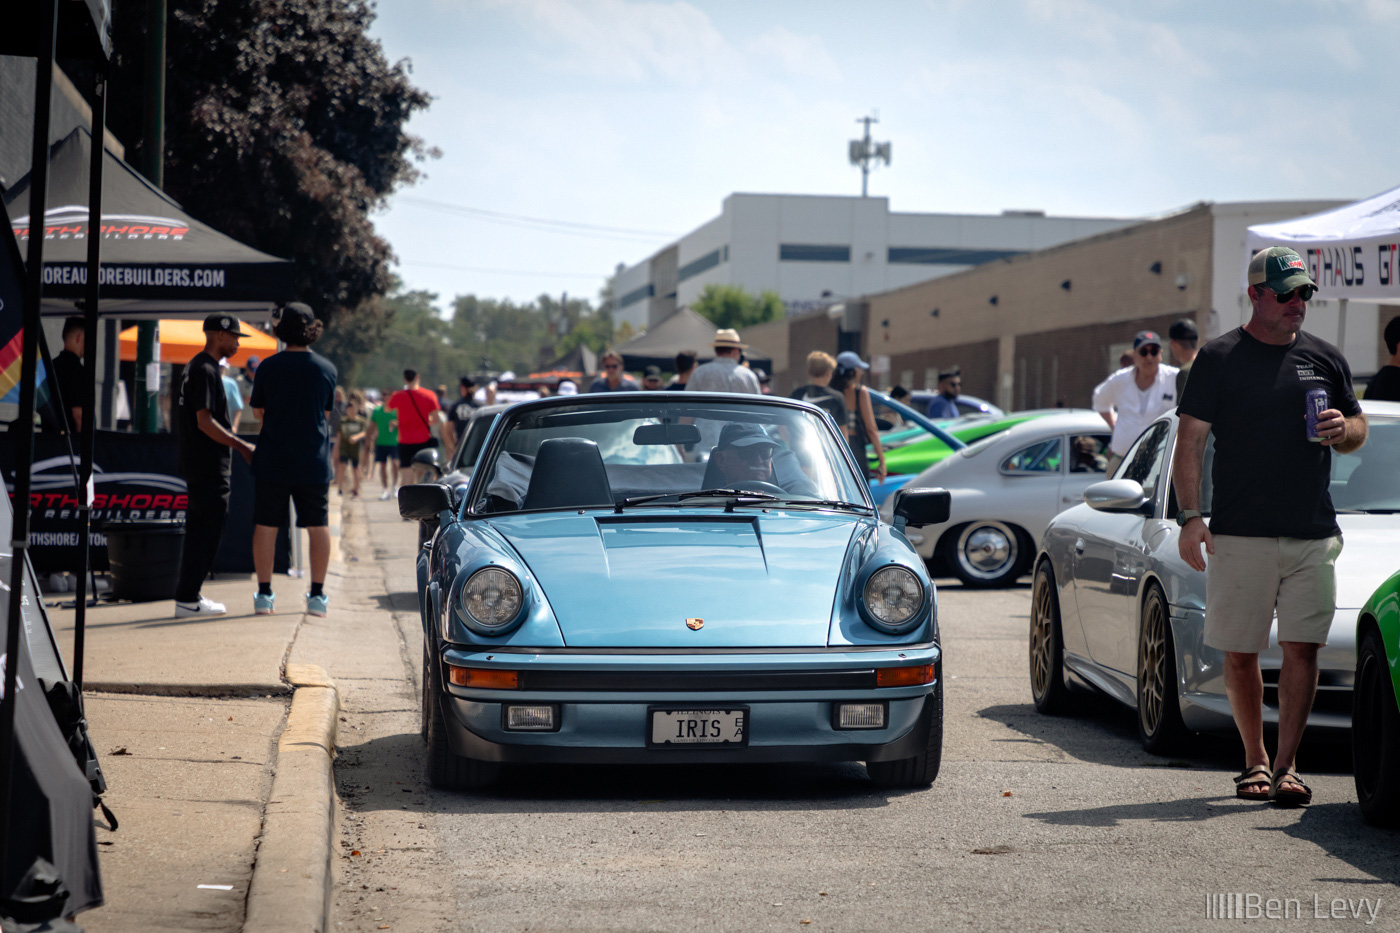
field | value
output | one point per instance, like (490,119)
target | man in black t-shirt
(1273,535)
(820,367)
(1385,384)
(70,377)
(459,413)
(293,396)
(205,437)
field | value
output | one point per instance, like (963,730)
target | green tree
(732,306)
(284,129)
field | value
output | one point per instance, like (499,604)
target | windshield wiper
(701,494)
(829,504)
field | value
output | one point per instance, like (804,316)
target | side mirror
(423,502)
(918,507)
(1116,495)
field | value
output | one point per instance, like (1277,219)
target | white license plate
(698,726)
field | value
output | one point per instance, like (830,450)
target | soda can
(1316,405)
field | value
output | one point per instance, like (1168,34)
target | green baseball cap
(1280,268)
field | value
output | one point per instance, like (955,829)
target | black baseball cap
(739,434)
(223,322)
(1146,338)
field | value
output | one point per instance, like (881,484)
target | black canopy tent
(683,330)
(33,30)
(157,260)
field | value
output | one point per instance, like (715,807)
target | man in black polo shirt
(459,412)
(69,375)
(205,435)
(1273,538)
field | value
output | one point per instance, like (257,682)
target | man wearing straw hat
(723,373)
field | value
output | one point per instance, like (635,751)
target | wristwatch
(1185,515)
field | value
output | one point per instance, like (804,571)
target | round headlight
(492,598)
(893,595)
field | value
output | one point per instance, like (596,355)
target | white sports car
(1115,608)
(1006,488)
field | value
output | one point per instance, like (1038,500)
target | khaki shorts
(1249,579)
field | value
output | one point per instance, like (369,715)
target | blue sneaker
(263,604)
(316,605)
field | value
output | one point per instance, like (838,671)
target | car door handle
(1079,546)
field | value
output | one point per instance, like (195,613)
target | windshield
(590,454)
(1369,479)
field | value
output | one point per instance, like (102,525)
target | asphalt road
(1035,823)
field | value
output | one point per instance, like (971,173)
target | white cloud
(804,55)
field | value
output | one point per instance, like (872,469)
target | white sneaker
(383,496)
(205,607)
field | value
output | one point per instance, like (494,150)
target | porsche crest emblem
(695,625)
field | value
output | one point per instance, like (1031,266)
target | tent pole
(44,43)
(1342,326)
(88,438)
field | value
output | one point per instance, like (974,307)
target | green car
(911,450)
(1375,714)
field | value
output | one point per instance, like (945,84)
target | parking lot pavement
(1035,823)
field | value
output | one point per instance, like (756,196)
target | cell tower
(865,151)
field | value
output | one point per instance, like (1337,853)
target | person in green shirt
(384,431)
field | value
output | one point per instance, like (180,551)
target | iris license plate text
(698,726)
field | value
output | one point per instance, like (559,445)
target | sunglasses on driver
(1150,350)
(1304,292)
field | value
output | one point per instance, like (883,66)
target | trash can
(144,558)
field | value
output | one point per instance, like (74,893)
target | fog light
(860,715)
(530,718)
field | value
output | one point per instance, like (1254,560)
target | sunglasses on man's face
(1151,350)
(1304,292)
(611,366)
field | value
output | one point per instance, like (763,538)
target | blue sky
(621,125)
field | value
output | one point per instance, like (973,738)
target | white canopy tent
(1352,252)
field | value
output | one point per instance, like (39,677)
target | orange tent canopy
(181,340)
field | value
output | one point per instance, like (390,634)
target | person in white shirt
(723,373)
(1131,398)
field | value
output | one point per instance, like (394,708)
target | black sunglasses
(1150,350)
(1304,292)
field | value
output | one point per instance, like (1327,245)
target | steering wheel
(758,485)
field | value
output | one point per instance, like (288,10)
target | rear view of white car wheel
(922,769)
(1047,646)
(1375,735)
(986,553)
(1159,709)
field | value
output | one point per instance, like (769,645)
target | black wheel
(922,769)
(986,554)
(1375,735)
(1047,646)
(1159,709)
(446,769)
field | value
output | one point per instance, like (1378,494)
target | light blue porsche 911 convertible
(666,577)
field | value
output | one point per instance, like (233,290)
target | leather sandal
(1253,777)
(1289,798)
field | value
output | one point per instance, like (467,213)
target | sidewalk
(217,755)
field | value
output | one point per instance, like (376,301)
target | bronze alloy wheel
(1159,711)
(1047,647)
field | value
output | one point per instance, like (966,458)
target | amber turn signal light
(904,676)
(488,679)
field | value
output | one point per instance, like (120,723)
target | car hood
(633,580)
(1367,558)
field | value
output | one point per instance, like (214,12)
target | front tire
(1047,646)
(1375,735)
(1158,706)
(446,769)
(986,554)
(921,770)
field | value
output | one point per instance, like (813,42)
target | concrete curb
(291,884)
